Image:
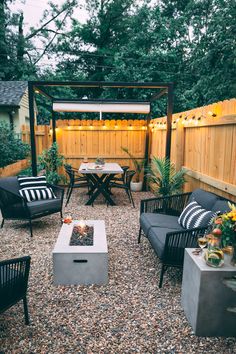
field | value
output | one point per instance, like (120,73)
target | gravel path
(129,315)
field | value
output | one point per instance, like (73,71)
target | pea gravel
(128,315)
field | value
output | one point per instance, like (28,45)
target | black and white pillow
(194,215)
(27,182)
(35,188)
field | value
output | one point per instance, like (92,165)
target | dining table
(99,177)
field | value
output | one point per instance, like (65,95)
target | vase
(214,257)
(228,255)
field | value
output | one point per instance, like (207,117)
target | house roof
(11,92)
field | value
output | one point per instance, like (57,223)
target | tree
(19,56)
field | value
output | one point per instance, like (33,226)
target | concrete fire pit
(81,264)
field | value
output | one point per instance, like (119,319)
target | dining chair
(76,180)
(121,177)
(125,185)
(14,275)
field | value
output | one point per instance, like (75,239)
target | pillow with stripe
(27,182)
(34,188)
(37,194)
(194,215)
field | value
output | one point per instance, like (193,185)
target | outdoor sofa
(159,222)
(15,207)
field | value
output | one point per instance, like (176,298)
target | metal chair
(14,274)
(125,185)
(122,176)
(75,181)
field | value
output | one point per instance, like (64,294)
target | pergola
(100,105)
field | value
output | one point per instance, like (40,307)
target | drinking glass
(202,242)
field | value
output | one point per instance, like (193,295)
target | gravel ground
(129,315)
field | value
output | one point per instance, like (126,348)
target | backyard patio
(128,315)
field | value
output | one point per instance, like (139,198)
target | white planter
(136,186)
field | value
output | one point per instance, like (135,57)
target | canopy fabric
(109,107)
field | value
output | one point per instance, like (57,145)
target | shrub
(48,163)
(12,148)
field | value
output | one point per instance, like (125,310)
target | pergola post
(32,130)
(54,138)
(169,119)
(147,150)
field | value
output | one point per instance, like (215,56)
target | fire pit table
(80,255)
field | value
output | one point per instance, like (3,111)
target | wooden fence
(93,138)
(14,168)
(203,141)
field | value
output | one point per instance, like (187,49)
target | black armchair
(15,207)
(14,274)
(159,223)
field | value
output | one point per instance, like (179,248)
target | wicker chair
(14,274)
(125,185)
(15,207)
(75,181)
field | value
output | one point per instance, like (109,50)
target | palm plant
(138,164)
(164,177)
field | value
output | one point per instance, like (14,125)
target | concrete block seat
(159,222)
(15,207)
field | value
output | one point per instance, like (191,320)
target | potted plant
(137,184)
(164,178)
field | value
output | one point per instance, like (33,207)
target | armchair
(15,207)
(14,274)
(159,223)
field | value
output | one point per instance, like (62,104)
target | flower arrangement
(225,226)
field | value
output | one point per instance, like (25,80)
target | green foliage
(164,178)
(11,147)
(49,162)
(138,164)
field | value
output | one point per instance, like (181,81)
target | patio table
(100,177)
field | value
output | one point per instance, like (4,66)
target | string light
(212,114)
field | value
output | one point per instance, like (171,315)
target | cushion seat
(149,220)
(44,206)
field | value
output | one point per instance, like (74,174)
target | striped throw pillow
(26,182)
(35,188)
(32,195)
(195,216)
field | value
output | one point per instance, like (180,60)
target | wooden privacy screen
(204,144)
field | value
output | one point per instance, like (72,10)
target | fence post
(179,148)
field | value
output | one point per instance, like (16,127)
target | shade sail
(109,107)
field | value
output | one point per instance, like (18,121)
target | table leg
(100,186)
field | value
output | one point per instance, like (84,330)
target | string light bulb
(212,114)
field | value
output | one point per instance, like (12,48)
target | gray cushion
(205,199)
(221,205)
(157,238)
(147,220)
(43,206)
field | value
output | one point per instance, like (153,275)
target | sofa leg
(2,223)
(163,269)
(139,234)
(26,313)
(31,230)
